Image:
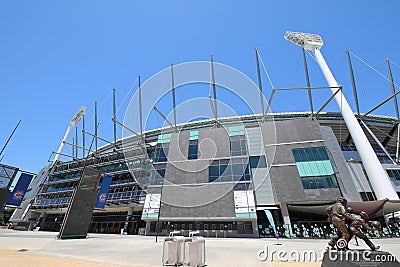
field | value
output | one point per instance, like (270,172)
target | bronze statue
(349,224)
(359,221)
(337,214)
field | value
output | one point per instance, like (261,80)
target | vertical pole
(377,175)
(173,94)
(397,141)
(396,107)
(260,83)
(83,136)
(214,87)
(9,138)
(308,82)
(95,125)
(353,83)
(76,141)
(115,119)
(73,148)
(140,109)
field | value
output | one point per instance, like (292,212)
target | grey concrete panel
(345,180)
(178,147)
(214,143)
(325,194)
(358,176)
(286,184)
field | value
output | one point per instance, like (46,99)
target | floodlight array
(305,40)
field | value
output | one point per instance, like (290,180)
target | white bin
(173,251)
(195,252)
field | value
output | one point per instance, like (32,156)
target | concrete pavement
(122,250)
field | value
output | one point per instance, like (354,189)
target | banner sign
(103,192)
(271,221)
(16,196)
(244,204)
(151,206)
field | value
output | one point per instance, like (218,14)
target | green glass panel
(328,166)
(236,130)
(321,168)
(164,138)
(194,135)
(300,169)
(314,168)
(307,169)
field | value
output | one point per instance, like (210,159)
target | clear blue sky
(56,56)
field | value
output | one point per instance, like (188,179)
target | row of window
(53,201)
(237,141)
(319,182)
(314,168)
(310,154)
(229,172)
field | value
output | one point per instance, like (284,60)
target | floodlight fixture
(78,116)
(308,41)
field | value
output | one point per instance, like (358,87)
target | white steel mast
(377,175)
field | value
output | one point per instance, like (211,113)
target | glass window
(323,155)
(394,174)
(226,172)
(164,138)
(213,171)
(314,168)
(257,162)
(193,149)
(238,145)
(300,169)
(296,155)
(194,135)
(161,153)
(367,196)
(310,154)
(236,130)
(157,174)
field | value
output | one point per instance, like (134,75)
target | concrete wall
(345,180)
(285,179)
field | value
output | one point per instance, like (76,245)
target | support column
(127,221)
(285,216)
(39,220)
(378,177)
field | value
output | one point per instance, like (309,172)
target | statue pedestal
(358,258)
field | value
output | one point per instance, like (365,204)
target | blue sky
(56,56)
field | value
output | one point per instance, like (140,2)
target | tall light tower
(75,119)
(377,175)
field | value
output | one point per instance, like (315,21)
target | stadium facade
(309,162)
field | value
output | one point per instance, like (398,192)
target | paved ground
(19,248)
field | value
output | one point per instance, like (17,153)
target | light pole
(377,175)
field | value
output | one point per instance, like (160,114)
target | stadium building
(218,176)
